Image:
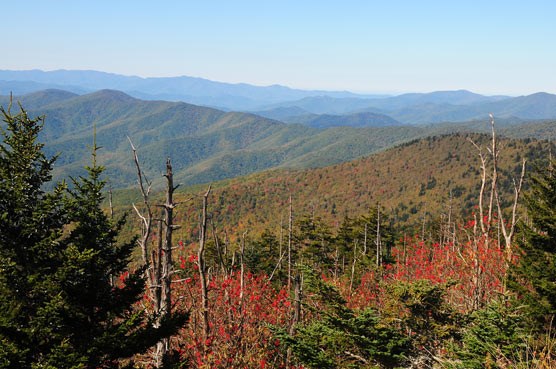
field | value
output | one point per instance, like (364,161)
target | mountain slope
(325,105)
(459,97)
(282,113)
(205,144)
(535,106)
(423,178)
(365,119)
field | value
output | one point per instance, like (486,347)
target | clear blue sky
(488,46)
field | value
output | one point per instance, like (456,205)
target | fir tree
(65,289)
(31,225)
(534,277)
(341,337)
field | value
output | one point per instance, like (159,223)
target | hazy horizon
(490,48)
(389,93)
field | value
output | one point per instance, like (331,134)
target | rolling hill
(415,182)
(205,144)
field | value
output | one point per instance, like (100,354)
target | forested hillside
(207,144)
(434,253)
(388,260)
(278,184)
(414,182)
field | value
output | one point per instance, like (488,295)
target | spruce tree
(340,337)
(66,294)
(31,225)
(534,277)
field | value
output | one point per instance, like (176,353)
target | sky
(374,46)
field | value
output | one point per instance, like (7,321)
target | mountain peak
(112,94)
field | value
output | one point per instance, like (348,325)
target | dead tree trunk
(506,226)
(218,250)
(378,238)
(298,296)
(157,260)
(242,271)
(147,215)
(353,266)
(202,269)
(290,231)
(164,260)
(365,239)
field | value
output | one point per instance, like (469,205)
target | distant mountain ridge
(287,104)
(435,107)
(240,96)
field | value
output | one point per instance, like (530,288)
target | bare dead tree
(146,215)
(353,265)
(483,158)
(378,241)
(298,296)
(218,249)
(242,270)
(297,303)
(494,153)
(110,203)
(508,227)
(281,254)
(201,263)
(157,260)
(164,260)
(490,175)
(290,232)
(365,238)
(281,241)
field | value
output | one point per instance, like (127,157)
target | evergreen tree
(314,239)
(263,256)
(58,260)
(31,225)
(493,333)
(95,306)
(534,277)
(340,337)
